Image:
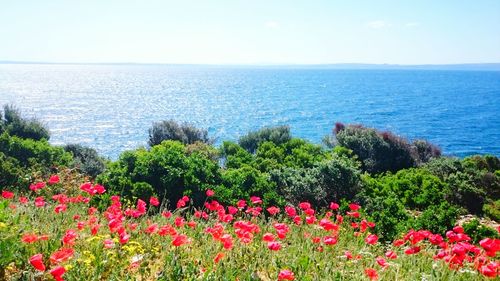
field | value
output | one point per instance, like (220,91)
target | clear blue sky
(251,32)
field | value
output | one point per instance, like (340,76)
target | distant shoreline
(361,66)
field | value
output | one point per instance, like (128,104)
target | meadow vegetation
(268,206)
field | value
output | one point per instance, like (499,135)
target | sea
(111,107)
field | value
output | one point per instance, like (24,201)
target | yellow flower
(3,225)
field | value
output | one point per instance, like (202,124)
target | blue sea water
(111,107)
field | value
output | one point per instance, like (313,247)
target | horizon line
(249,64)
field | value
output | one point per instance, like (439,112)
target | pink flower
(210,193)
(274,246)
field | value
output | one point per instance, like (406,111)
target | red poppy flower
(334,206)
(57,272)
(273,210)
(7,194)
(154,201)
(371,273)
(29,238)
(69,237)
(412,250)
(53,180)
(61,255)
(371,239)
(39,202)
(180,240)
(108,243)
(210,193)
(286,274)
(330,240)
(218,257)
(268,237)
(255,200)
(274,246)
(354,207)
(60,208)
(348,255)
(391,255)
(37,186)
(381,261)
(37,262)
(23,200)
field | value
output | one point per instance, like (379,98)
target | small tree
(171,130)
(277,135)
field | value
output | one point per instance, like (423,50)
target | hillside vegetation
(281,202)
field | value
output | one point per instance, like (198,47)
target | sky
(251,31)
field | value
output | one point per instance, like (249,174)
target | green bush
(383,151)
(492,210)
(327,181)
(86,159)
(390,216)
(378,152)
(438,218)
(169,169)
(473,181)
(276,135)
(246,181)
(478,231)
(15,125)
(171,130)
(415,188)
(23,156)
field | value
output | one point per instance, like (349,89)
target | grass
(218,247)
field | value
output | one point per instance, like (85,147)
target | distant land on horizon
(458,66)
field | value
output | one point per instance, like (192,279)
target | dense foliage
(171,130)
(86,159)
(404,185)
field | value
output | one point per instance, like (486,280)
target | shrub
(15,125)
(426,151)
(472,181)
(276,135)
(23,156)
(171,130)
(325,182)
(438,218)
(383,151)
(478,231)
(167,170)
(390,216)
(246,181)
(492,210)
(378,152)
(415,188)
(86,159)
